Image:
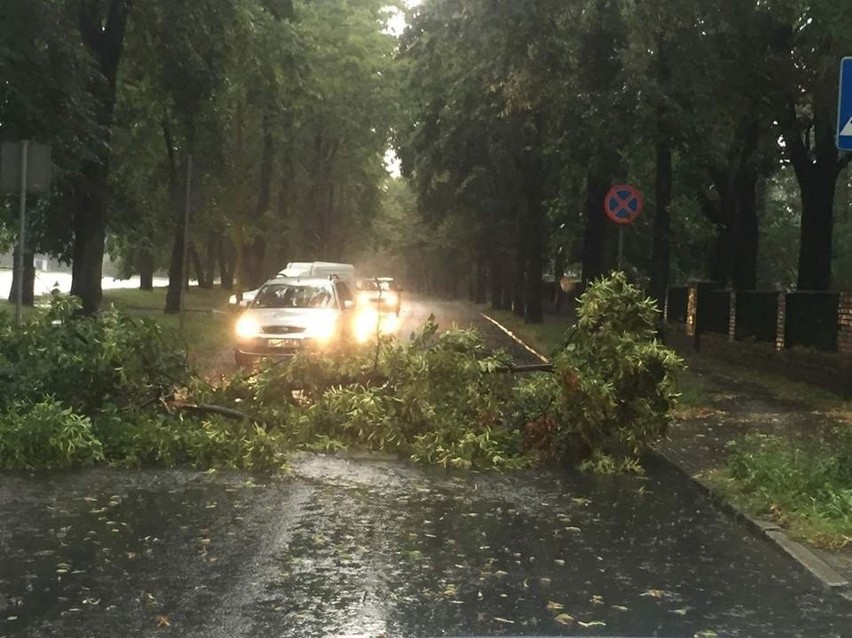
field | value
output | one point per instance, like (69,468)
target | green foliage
(435,398)
(617,382)
(117,390)
(805,485)
(46,435)
(86,363)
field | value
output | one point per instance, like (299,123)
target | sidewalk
(699,443)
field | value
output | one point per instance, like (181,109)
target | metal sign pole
(19,293)
(184,272)
(621,247)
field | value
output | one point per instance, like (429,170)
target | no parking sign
(623,203)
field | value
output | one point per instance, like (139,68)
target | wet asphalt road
(349,546)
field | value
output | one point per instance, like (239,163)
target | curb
(516,338)
(767,530)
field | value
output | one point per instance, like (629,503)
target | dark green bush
(617,385)
(87,363)
(46,435)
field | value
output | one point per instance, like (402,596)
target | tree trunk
(200,273)
(662,225)
(211,252)
(558,273)
(816,171)
(176,273)
(176,267)
(89,223)
(534,245)
(594,233)
(817,194)
(256,256)
(145,264)
(28,293)
(103,36)
(227,262)
(745,231)
(519,274)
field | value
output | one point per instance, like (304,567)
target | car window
(294,296)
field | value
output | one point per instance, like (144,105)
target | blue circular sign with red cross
(623,203)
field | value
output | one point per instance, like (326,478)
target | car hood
(293,317)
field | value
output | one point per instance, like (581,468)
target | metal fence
(811,320)
(757,316)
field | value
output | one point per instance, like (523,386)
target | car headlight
(364,297)
(246,327)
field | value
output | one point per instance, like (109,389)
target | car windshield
(294,296)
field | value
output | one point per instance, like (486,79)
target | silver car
(292,313)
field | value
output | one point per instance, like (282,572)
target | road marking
(517,339)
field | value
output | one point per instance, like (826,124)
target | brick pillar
(780,321)
(844,323)
(732,317)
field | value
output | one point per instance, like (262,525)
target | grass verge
(804,486)
(206,329)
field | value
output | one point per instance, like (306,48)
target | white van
(306,269)
(321,270)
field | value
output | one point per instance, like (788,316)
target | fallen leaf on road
(619,607)
(653,593)
(564,619)
(679,612)
(554,606)
(163,621)
(504,620)
(560,562)
(596,599)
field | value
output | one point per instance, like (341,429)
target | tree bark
(198,266)
(662,225)
(103,37)
(211,250)
(227,262)
(594,233)
(256,256)
(816,171)
(89,222)
(176,269)
(745,233)
(145,264)
(28,293)
(534,244)
(519,273)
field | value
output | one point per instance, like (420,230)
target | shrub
(617,384)
(46,435)
(87,363)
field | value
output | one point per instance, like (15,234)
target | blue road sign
(844,106)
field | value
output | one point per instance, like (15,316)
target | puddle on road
(345,547)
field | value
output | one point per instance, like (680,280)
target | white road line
(516,339)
